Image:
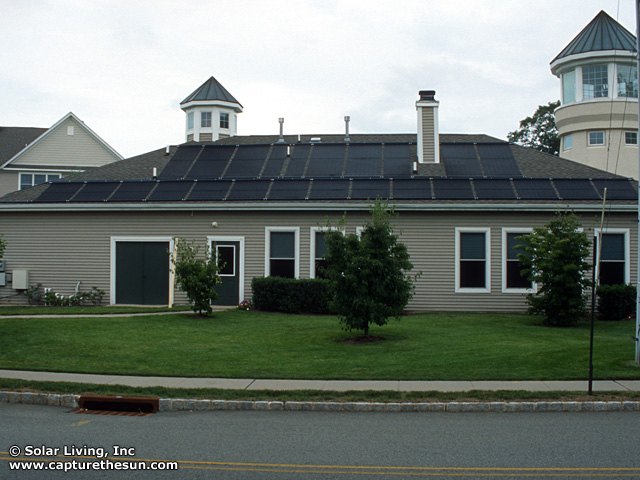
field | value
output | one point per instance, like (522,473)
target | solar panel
(363,160)
(247,161)
(95,192)
(497,160)
(289,190)
(59,192)
(132,192)
(276,161)
(397,160)
(494,150)
(179,164)
(535,189)
(453,151)
(463,167)
(576,189)
(170,191)
(326,160)
(488,189)
(329,189)
(210,190)
(370,189)
(452,189)
(211,162)
(249,190)
(616,189)
(298,160)
(412,188)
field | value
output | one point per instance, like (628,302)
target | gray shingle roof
(355,138)
(602,33)
(210,90)
(14,139)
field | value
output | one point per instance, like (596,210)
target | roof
(601,34)
(15,139)
(210,90)
(473,169)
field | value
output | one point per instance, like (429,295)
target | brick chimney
(428,138)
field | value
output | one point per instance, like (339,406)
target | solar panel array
(282,189)
(479,160)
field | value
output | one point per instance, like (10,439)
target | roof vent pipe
(167,150)
(281,139)
(347,118)
(155,173)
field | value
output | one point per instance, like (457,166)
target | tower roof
(602,33)
(211,90)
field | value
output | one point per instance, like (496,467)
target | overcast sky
(124,66)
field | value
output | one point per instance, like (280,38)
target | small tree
(555,258)
(197,277)
(539,131)
(368,275)
(3,246)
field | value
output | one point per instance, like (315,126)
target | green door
(228,255)
(142,273)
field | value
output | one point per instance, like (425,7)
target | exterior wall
(9,182)
(61,249)
(61,149)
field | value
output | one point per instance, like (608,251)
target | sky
(123,67)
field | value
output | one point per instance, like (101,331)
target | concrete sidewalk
(326,385)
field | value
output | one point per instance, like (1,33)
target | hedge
(288,295)
(616,302)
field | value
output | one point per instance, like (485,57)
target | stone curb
(184,404)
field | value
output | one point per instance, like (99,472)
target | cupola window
(627,81)
(595,81)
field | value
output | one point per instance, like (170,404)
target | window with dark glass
(321,250)
(631,138)
(224,120)
(226,255)
(627,81)
(514,267)
(31,179)
(595,81)
(282,259)
(473,261)
(612,259)
(205,119)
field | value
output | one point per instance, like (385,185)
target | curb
(183,404)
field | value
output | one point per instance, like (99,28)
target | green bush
(288,295)
(616,302)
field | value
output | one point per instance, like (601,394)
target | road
(324,445)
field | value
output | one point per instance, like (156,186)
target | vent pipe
(347,119)
(281,139)
(428,136)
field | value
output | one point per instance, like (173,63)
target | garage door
(142,273)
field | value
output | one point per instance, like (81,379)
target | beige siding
(61,249)
(428,135)
(9,182)
(60,149)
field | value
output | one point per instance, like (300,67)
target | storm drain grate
(118,405)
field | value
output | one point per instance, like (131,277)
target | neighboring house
(598,119)
(262,202)
(31,156)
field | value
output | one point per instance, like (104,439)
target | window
(595,81)
(31,179)
(472,260)
(614,255)
(190,121)
(70,130)
(512,280)
(631,138)
(205,119)
(226,256)
(568,142)
(318,250)
(282,252)
(627,77)
(224,120)
(596,138)
(569,87)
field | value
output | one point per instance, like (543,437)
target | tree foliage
(368,273)
(3,246)
(555,258)
(197,276)
(539,131)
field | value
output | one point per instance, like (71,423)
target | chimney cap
(427,94)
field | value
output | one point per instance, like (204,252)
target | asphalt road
(302,445)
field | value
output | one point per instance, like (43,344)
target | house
(31,156)
(262,202)
(598,119)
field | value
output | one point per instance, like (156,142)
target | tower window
(205,119)
(224,120)
(596,138)
(190,120)
(595,81)
(631,138)
(568,142)
(569,87)
(627,77)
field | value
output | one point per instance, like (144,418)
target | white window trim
(312,246)
(604,136)
(114,240)
(46,173)
(505,289)
(240,267)
(625,137)
(267,248)
(627,248)
(487,253)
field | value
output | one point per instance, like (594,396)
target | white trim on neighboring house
(506,289)
(267,248)
(112,261)
(312,246)
(487,259)
(627,248)
(240,240)
(56,125)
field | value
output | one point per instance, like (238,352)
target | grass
(84,310)
(438,346)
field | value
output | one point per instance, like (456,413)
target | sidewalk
(327,385)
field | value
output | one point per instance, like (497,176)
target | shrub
(616,302)
(288,295)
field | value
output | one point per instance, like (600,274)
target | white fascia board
(559,66)
(211,103)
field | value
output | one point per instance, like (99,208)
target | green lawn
(439,346)
(84,310)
